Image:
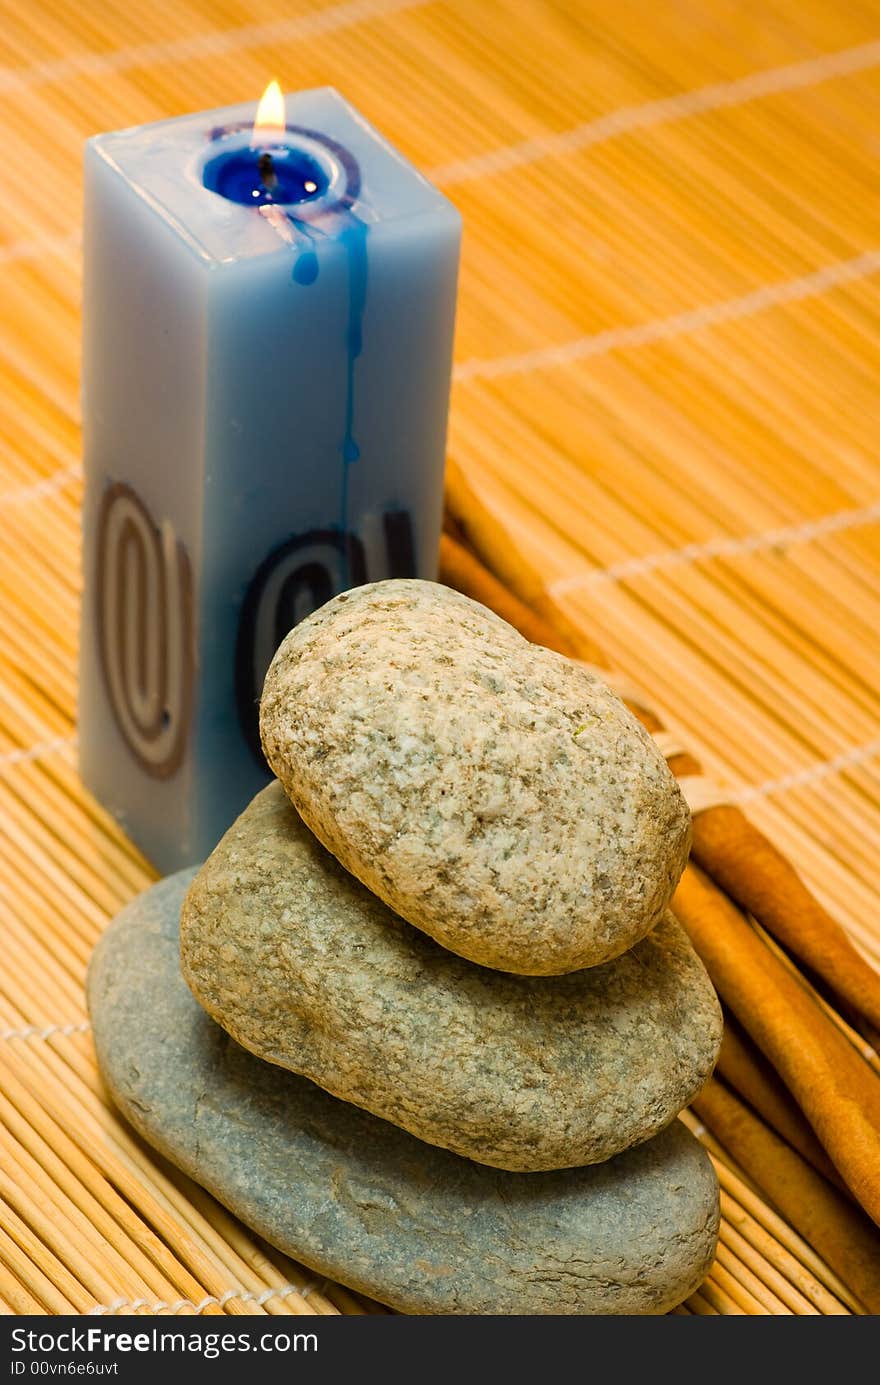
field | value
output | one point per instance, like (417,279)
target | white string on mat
(40,751)
(209,1301)
(738,91)
(668,744)
(41,490)
(835,275)
(702,793)
(823,526)
(811,774)
(35,1031)
(194,47)
(32,249)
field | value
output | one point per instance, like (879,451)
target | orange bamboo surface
(665,398)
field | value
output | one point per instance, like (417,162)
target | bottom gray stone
(360,1200)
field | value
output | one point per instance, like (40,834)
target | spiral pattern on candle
(295,579)
(145,630)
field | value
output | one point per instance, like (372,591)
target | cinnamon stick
(745,1068)
(728,847)
(764,883)
(835,1088)
(822,1215)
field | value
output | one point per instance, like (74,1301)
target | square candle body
(265,393)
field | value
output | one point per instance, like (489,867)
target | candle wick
(266,170)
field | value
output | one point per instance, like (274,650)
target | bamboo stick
(700,1305)
(745,1209)
(38,1268)
(744,1287)
(89,1160)
(849,1243)
(719,1299)
(19,1299)
(170,1212)
(59,1234)
(101,1252)
(766,1271)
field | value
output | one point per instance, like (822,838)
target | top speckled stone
(493,793)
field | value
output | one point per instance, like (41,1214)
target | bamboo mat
(666,391)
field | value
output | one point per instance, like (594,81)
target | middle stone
(304,967)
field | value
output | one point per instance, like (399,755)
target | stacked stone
(449,913)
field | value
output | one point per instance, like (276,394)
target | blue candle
(268,319)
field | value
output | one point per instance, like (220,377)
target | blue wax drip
(305,266)
(354,239)
(305,271)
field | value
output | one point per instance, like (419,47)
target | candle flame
(271,116)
